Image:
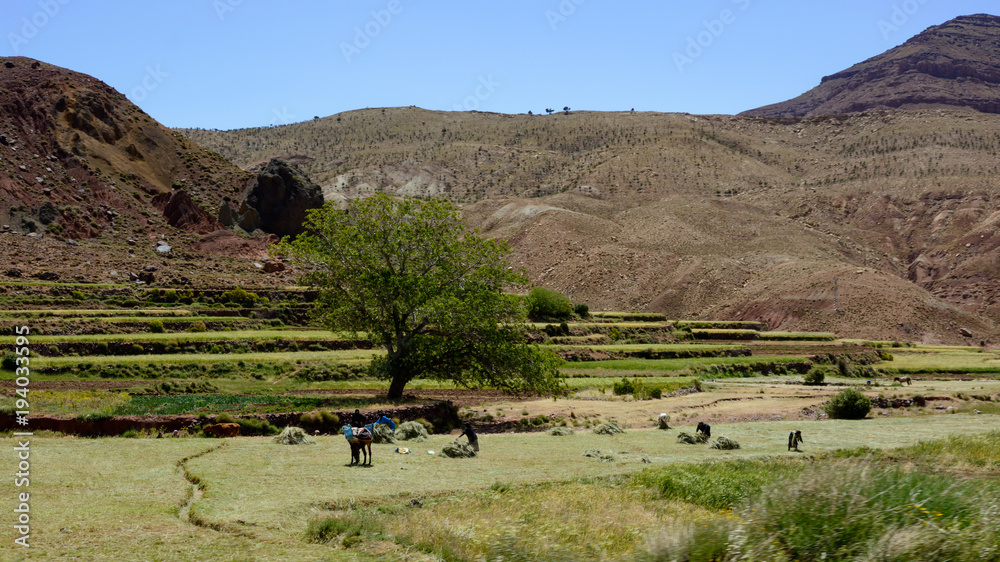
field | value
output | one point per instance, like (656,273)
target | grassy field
(534,494)
(177,337)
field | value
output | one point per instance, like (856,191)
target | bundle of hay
(663,421)
(383,434)
(608,428)
(292,436)
(604,456)
(724,442)
(560,430)
(695,439)
(412,431)
(458,450)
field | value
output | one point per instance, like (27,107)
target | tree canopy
(411,275)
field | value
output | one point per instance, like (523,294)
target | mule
(360,439)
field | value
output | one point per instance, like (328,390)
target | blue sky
(240,63)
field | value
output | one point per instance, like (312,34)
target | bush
(625,386)
(9,361)
(546,303)
(156,326)
(197,326)
(848,405)
(816,375)
(581,310)
(656,393)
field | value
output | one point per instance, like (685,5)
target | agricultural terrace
(127,362)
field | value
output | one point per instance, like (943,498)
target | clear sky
(240,63)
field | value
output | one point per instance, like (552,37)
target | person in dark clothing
(471,434)
(357,419)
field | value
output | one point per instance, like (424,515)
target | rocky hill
(700,216)
(956,64)
(90,185)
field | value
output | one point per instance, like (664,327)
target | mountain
(97,183)
(722,217)
(955,64)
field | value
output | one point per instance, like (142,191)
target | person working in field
(471,434)
(357,419)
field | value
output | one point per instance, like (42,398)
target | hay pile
(560,430)
(608,428)
(663,422)
(292,436)
(604,456)
(412,431)
(458,450)
(724,442)
(383,434)
(695,439)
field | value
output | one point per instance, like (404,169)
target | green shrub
(546,303)
(197,326)
(656,393)
(9,361)
(156,326)
(815,375)
(849,404)
(625,386)
(130,434)
(581,310)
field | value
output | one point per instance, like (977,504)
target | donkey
(903,380)
(360,440)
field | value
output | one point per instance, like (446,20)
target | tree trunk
(396,386)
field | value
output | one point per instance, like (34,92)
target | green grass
(233,404)
(673,364)
(96,312)
(798,336)
(653,347)
(929,361)
(177,337)
(349,356)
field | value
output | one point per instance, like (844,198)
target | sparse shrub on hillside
(581,310)
(545,303)
(816,375)
(241,297)
(9,361)
(849,404)
(197,326)
(156,326)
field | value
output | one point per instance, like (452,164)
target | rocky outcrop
(182,212)
(275,202)
(956,64)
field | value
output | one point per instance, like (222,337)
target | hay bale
(725,443)
(608,428)
(412,431)
(458,450)
(383,434)
(560,430)
(695,439)
(292,436)
(603,456)
(663,421)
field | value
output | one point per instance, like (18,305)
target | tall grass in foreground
(849,511)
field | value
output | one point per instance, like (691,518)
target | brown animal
(223,429)
(903,380)
(360,442)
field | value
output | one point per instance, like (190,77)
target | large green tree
(416,280)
